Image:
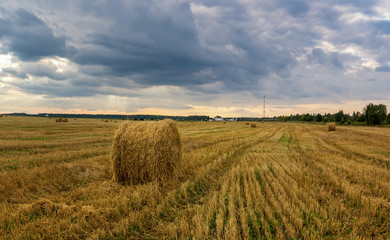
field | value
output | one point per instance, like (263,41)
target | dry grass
(282,181)
(146,151)
(331,127)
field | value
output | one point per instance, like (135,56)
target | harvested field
(276,181)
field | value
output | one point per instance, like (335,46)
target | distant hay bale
(146,151)
(58,119)
(331,127)
(64,120)
(246,123)
(106,120)
(253,125)
(224,122)
(1,115)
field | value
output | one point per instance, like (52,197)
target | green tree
(388,118)
(375,114)
(318,118)
(339,116)
(282,119)
(308,117)
(326,119)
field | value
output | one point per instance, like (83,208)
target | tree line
(372,114)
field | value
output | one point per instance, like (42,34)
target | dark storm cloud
(159,45)
(143,38)
(29,38)
(288,48)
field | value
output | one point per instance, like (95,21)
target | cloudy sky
(179,57)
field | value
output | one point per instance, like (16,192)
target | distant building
(217,119)
(231,119)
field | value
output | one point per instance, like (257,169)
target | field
(276,181)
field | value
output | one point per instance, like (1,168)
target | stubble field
(276,181)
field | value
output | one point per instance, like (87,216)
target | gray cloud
(29,38)
(383,69)
(296,49)
(318,56)
(160,45)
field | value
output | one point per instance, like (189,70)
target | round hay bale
(253,125)
(58,119)
(64,120)
(146,151)
(331,127)
(247,123)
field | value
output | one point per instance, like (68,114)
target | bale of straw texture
(58,119)
(146,151)
(254,125)
(64,120)
(331,127)
(247,123)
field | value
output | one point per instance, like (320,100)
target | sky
(176,57)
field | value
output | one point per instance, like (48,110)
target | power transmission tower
(264,108)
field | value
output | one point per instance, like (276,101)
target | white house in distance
(218,119)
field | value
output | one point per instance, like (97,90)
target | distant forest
(371,115)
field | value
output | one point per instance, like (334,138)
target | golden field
(276,181)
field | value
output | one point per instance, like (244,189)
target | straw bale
(146,151)
(64,120)
(254,125)
(246,123)
(58,119)
(331,127)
